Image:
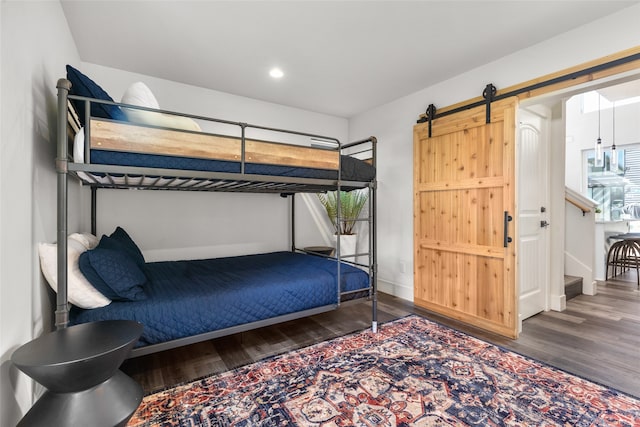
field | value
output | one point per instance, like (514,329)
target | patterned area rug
(412,373)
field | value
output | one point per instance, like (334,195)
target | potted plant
(351,205)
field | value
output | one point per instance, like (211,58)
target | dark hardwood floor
(597,337)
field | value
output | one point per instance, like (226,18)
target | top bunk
(125,145)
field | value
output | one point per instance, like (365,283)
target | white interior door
(533,212)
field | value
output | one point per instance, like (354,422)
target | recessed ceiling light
(276,73)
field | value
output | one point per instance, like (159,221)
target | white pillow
(79,291)
(139,94)
(88,240)
(78,146)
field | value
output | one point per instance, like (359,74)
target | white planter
(348,245)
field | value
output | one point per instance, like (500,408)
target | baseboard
(558,302)
(395,289)
(590,289)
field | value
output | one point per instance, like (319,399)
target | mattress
(186,298)
(352,169)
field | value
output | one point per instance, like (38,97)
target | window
(618,191)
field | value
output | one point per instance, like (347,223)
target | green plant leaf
(351,205)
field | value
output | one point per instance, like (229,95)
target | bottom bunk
(188,301)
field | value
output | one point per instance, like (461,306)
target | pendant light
(599,160)
(614,153)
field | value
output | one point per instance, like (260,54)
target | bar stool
(623,256)
(79,366)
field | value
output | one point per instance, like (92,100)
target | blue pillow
(82,85)
(128,245)
(113,272)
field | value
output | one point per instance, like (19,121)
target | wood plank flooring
(597,337)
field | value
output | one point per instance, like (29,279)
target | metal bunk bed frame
(216,181)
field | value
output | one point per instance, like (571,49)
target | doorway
(610,113)
(564,160)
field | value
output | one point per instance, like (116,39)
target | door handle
(544,224)
(507,218)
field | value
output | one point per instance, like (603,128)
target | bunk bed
(103,148)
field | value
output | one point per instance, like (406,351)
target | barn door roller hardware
(491,91)
(489,94)
(430,114)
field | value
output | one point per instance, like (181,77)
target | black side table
(79,367)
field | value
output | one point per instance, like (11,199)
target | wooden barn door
(464,192)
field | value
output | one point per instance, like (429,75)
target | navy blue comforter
(187,298)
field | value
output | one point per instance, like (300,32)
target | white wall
(580,247)
(393,123)
(557,300)
(36,44)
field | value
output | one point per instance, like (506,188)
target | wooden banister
(585,209)
(585,204)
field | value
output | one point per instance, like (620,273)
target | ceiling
(622,91)
(339,57)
